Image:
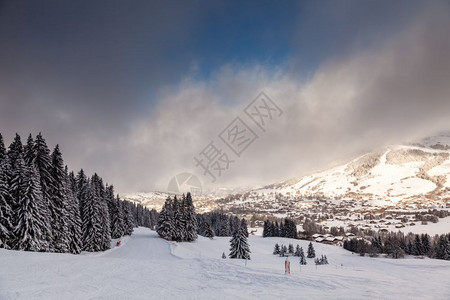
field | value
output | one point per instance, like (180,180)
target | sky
(135,90)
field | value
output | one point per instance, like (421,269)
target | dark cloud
(103,80)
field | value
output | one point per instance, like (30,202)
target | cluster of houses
(330,239)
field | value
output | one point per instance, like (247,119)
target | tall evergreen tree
(27,231)
(128,218)
(302,257)
(15,151)
(244,227)
(276,249)
(28,151)
(209,233)
(58,209)
(6,213)
(91,226)
(117,226)
(426,245)
(165,227)
(2,149)
(266,229)
(190,219)
(311,251)
(239,245)
(179,230)
(103,214)
(42,162)
(74,218)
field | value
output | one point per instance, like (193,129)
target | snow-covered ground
(147,267)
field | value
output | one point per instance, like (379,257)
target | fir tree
(291,249)
(27,231)
(42,162)
(6,213)
(74,218)
(244,227)
(128,219)
(311,251)
(165,227)
(297,250)
(179,230)
(223,255)
(443,248)
(302,257)
(28,151)
(209,233)
(426,245)
(2,149)
(91,227)
(60,228)
(418,249)
(117,226)
(15,151)
(239,245)
(266,230)
(276,249)
(190,219)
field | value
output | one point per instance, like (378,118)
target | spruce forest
(44,207)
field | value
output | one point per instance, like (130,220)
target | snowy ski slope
(147,267)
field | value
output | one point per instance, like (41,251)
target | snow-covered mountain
(399,172)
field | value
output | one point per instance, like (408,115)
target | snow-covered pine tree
(191,220)
(266,229)
(223,255)
(291,249)
(165,226)
(117,227)
(283,250)
(239,245)
(2,149)
(311,251)
(100,194)
(276,249)
(28,151)
(6,212)
(27,231)
(179,229)
(244,226)
(297,250)
(302,257)
(209,232)
(418,249)
(109,198)
(17,183)
(91,227)
(443,247)
(224,227)
(73,212)
(42,161)
(426,244)
(15,151)
(82,181)
(60,228)
(128,218)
